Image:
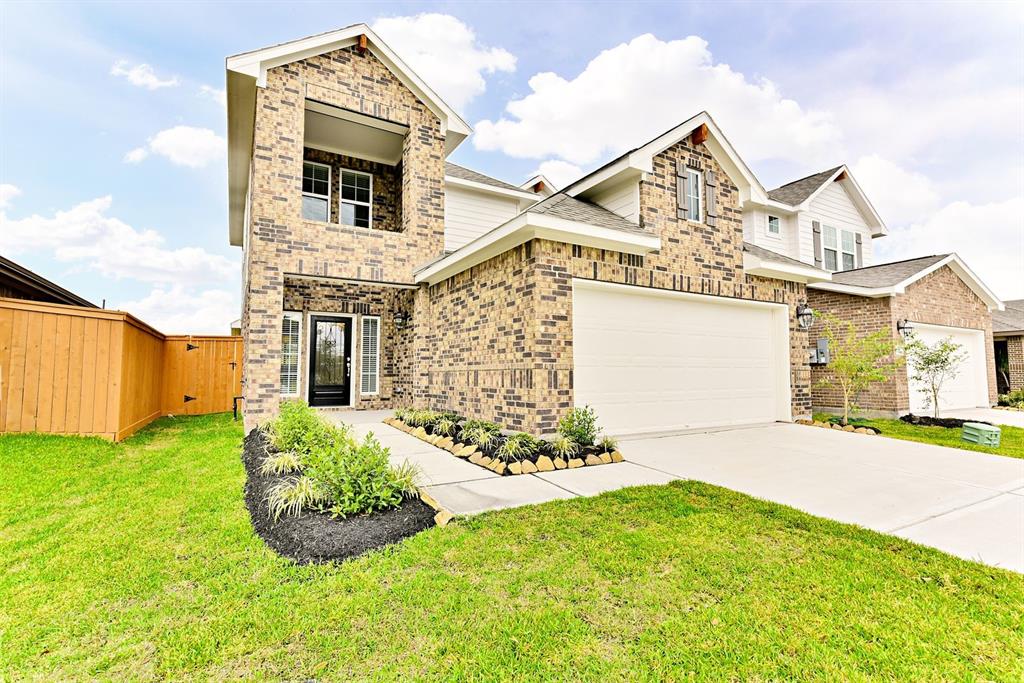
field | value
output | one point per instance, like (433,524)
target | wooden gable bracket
(538,186)
(361,44)
(700,135)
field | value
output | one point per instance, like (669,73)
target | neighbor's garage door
(969,389)
(651,360)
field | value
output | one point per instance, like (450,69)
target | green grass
(1011,442)
(137,561)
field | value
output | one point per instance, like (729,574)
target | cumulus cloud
(445,53)
(605,109)
(899,195)
(7,193)
(561,173)
(142,75)
(988,237)
(182,310)
(182,145)
(88,236)
(218,95)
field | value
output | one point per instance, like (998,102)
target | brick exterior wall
(386,211)
(939,298)
(1015,355)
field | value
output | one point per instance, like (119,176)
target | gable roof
(798,191)
(767,263)
(456,171)
(35,287)
(562,205)
(1011,319)
(888,279)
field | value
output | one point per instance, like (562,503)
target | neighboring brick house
(662,288)
(18,282)
(1008,334)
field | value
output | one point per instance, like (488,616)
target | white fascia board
(968,277)
(491,189)
(539,178)
(859,198)
(528,226)
(755,265)
(869,292)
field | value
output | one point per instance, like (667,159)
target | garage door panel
(969,389)
(648,361)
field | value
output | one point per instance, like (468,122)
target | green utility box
(983,435)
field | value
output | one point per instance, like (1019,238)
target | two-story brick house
(377,274)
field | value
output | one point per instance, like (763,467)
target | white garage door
(969,389)
(649,360)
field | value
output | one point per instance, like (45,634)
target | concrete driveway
(965,503)
(1014,418)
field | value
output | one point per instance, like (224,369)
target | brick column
(1015,354)
(261,332)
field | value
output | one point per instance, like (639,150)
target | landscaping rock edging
(317,537)
(469,452)
(833,425)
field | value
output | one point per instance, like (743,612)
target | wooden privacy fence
(72,370)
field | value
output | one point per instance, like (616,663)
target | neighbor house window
(291,333)
(370,356)
(695,182)
(840,249)
(316,192)
(356,190)
(773,225)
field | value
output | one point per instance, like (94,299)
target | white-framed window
(291,348)
(316,191)
(369,374)
(839,249)
(774,227)
(694,193)
(355,204)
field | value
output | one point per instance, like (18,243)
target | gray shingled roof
(885,274)
(1010,320)
(561,205)
(457,171)
(769,255)
(797,191)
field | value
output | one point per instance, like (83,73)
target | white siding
(469,214)
(755,231)
(623,199)
(833,207)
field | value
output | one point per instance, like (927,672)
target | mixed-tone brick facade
(939,298)
(1015,362)
(386,209)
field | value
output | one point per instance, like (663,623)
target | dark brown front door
(330,361)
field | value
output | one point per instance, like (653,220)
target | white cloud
(988,237)
(218,95)
(142,75)
(7,193)
(182,145)
(608,108)
(85,234)
(181,310)
(899,195)
(445,53)
(561,173)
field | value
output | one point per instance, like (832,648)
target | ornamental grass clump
(516,447)
(563,447)
(608,444)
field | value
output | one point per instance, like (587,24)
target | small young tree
(857,361)
(932,365)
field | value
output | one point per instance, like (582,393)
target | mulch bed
(948,422)
(316,537)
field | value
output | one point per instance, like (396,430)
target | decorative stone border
(833,425)
(469,452)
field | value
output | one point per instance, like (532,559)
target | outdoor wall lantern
(401,319)
(804,315)
(904,327)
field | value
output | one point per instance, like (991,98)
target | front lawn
(1011,443)
(138,561)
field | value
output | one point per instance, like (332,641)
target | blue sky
(113,176)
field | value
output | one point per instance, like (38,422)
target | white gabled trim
(528,226)
(549,186)
(955,264)
(755,265)
(492,189)
(860,199)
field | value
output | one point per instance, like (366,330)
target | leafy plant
(301,429)
(516,447)
(932,365)
(857,361)
(278,464)
(1013,399)
(564,447)
(402,413)
(580,425)
(479,436)
(445,426)
(472,426)
(608,444)
(292,496)
(422,418)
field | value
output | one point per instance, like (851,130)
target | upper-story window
(840,248)
(773,225)
(355,206)
(694,185)
(316,191)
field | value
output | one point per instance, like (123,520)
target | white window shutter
(290,324)
(370,356)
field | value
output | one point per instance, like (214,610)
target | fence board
(45,409)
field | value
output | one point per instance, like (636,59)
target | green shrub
(563,447)
(580,425)
(1014,399)
(608,444)
(517,447)
(302,430)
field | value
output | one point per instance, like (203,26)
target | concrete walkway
(1014,418)
(965,503)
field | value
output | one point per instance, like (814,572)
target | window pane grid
(693,195)
(355,199)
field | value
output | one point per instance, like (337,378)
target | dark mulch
(315,536)
(948,422)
